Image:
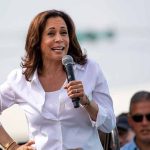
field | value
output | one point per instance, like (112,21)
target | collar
(34,77)
(76,66)
(135,147)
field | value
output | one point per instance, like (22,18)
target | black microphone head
(67,59)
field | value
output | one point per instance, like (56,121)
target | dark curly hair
(33,58)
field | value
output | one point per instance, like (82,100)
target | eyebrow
(63,27)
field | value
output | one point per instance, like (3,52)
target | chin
(59,57)
(146,138)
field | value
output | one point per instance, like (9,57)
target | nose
(58,38)
(145,121)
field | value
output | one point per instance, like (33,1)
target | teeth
(58,48)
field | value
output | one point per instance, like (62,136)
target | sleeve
(7,95)
(106,120)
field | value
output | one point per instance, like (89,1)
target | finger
(73,93)
(65,85)
(30,148)
(30,142)
(71,84)
(76,90)
(27,148)
(74,82)
(74,87)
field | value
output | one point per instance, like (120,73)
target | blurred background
(114,33)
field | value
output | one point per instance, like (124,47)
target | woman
(42,91)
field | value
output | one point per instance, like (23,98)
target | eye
(64,33)
(51,33)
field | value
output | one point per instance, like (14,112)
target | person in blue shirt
(139,120)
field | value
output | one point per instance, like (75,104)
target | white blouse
(53,122)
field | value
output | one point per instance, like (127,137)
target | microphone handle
(70,72)
(76,102)
(71,77)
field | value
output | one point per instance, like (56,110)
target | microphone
(68,62)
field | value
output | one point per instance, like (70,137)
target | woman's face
(55,40)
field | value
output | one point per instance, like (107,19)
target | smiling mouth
(145,131)
(58,48)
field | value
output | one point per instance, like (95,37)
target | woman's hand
(27,146)
(76,89)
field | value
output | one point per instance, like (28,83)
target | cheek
(67,45)
(67,41)
(42,46)
(136,128)
(44,43)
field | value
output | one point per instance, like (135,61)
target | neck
(52,68)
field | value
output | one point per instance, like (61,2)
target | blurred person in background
(124,130)
(139,120)
(41,89)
